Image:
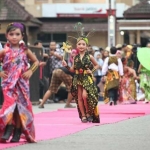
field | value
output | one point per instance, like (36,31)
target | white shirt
(98,72)
(1,47)
(112,66)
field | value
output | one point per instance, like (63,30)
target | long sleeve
(120,67)
(1,46)
(105,66)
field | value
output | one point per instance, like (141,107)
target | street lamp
(122,32)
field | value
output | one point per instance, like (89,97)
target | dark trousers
(113,93)
(43,87)
(98,79)
(62,94)
(1,96)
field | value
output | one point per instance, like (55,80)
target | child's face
(118,54)
(14,36)
(98,56)
(81,45)
(106,54)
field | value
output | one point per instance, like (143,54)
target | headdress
(17,25)
(79,28)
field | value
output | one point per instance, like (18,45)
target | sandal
(84,119)
(89,118)
(41,106)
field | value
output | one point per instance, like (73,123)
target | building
(136,24)
(12,11)
(59,17)
(56,19)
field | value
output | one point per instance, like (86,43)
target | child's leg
(17,130)
(80,103)
(17,119)
(8,130)
(84,96)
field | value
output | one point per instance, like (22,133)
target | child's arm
(34,66)
(96,66)
(33,58)
(139,69)
(71,69)
(2,53)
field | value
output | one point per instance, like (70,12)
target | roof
(11,10)
(69,27)
(140,10)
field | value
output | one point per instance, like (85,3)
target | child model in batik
(16,116)
(83,89)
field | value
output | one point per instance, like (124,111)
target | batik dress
(145,82)
(16,93)
(82,78)
(127,90)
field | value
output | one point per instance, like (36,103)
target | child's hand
(27,74)
(64,63)
(42,64)
(3,74)
(89,71)
(103,79)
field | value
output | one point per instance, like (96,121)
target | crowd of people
(85,75)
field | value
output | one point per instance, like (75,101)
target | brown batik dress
(85,80)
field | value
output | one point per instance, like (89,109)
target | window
(2,37)
(46,38)
(59,37)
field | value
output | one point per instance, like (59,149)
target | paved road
(133,134)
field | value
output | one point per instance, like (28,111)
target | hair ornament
(17,25)
(79,28)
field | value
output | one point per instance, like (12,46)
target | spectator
(1,46)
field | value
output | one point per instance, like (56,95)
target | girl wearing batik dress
(83,89)
(145,82)
(127,89)
(16,116)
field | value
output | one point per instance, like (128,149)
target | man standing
(113,70)
(59,75)
(55,58)
(1,46)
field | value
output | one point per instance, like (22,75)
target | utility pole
(111,12)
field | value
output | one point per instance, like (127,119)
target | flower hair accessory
(66,48)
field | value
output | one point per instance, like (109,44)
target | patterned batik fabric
(127,89)
(58,77)
(112,81)
(145,82)
(86,81)
(16,93)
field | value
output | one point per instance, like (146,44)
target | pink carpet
(50,125)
